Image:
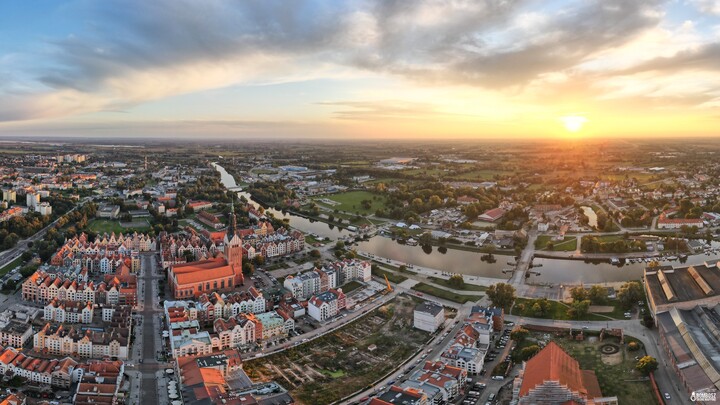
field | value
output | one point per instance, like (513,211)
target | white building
(428,316)
(326,305)
(33,200)
(44,208)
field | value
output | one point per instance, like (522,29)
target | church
(222,273)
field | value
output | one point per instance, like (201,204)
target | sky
(430,69)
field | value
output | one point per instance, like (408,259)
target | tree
(456,281)
(540,307)
(578,293)
(259,260)
(528,352)
(402,268)
(647,364)
(248,268)
(501,294)
(597,294)
(519,334)
(633,346)
(578,309)
(630,293)
(488,249)
(315,253)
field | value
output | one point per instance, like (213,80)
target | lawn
(466,287)
(568,244)
(350,201)
(353,285)
(101,226)
(444,294)
(615,380)
(11,265)
(557,310)
(481,175)
(392,277)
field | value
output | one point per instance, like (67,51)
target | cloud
(137,51)
(706,57)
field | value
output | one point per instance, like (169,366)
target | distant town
(408,273)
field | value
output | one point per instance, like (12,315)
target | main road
(148,375)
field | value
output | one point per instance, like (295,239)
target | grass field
(351,201)
(619,379)
(557,310)
(11,265)
(444,294)
(568,244)
(467,287)
(392,277)
(353,285)
(481,175)
(103,225)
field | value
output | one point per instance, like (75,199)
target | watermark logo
(703,396)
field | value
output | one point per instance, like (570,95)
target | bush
(633,346)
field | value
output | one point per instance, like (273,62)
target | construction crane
(389,287)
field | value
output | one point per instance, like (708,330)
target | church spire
(232,227)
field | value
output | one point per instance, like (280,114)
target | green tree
(540,307)
(647,364)
(519,334)
(579,293)
(501,294)
(578,309)
(630,293)
(597,294)
(248,268)
(315,253)
(528,352)
(457,281)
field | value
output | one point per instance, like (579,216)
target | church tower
(233,248)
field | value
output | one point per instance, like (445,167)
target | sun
(573,123)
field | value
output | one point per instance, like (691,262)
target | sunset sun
(573,123)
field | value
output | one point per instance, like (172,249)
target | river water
(551,271)
(592,216)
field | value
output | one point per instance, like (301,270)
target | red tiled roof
(552,364)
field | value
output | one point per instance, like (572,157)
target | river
(551,271)
(592,216)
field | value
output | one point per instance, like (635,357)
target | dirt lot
(336,365)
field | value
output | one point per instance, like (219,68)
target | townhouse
(326,305)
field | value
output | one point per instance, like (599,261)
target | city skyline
(361,69)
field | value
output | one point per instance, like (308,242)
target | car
(497,378)
(666,395)
(391,382)
(491,397)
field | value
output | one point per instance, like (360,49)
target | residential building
(15,333)
(33,200)
(326,305)
(400,396)
(44,208)
(66,311)
(9,195)
(60,340)
(428,316)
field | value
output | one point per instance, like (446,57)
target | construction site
(340,363)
